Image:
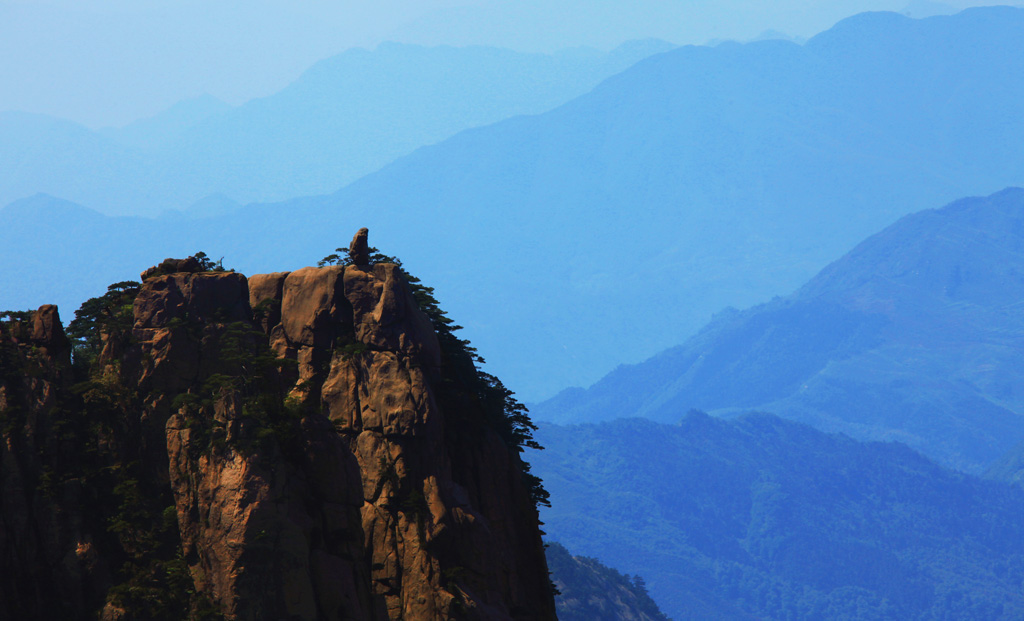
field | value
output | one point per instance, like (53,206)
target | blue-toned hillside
(916,335)
(346,116)
(773,519)
(592,591)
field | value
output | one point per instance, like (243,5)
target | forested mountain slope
(592,591)
(772,519)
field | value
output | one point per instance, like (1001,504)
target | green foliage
(340,257)
(109,314)
(163,590)
(99,449)
(198,262)
(502,411)
(535,486)
(592,591)
(14,367)
(94,451)
(79,441)
(265,308)
(250,371)
(93,447)
(347,346)
(208,265)
(157,590)
(16,316)
(156,583)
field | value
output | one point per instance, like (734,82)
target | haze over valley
(722,175)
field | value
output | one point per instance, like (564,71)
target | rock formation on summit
(359,249)
(294,445)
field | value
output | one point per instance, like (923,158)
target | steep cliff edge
(294,445)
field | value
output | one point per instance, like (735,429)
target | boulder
(172,266)
(188,296)
(387,317)
(266,293)
(359,248)
(47,330)
(313,308)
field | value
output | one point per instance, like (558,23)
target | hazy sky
(108,62)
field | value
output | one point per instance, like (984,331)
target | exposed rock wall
(319,454)
(47,556)
(441,543)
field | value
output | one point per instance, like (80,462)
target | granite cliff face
(285,446)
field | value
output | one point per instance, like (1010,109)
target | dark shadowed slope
(345,117)
(592,591)
(163,461)
(760,516)
(915,335)
(614,226)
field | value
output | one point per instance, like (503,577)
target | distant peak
(41,203)
(919,9)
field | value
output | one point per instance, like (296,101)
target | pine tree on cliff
(508,416)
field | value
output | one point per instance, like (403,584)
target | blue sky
(108,62)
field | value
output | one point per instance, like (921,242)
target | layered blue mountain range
(916,335)
(614,226)
(344,117)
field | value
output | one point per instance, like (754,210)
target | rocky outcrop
(359,248)
(269,534)
(294,445)
(172,266)
(47,553)
(440,543)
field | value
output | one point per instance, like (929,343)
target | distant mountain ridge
(615,225)
(763,518)
(163,129)
(346,116)
(915,335)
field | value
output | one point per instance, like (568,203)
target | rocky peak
(319,453)
(48,332)
(172,266)
(359,249)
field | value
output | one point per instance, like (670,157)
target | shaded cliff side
(295,445)
(592,591)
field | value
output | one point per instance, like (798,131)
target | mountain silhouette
(915,335)
(614,226)
(344,117)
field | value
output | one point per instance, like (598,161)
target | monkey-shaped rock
(359,249)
